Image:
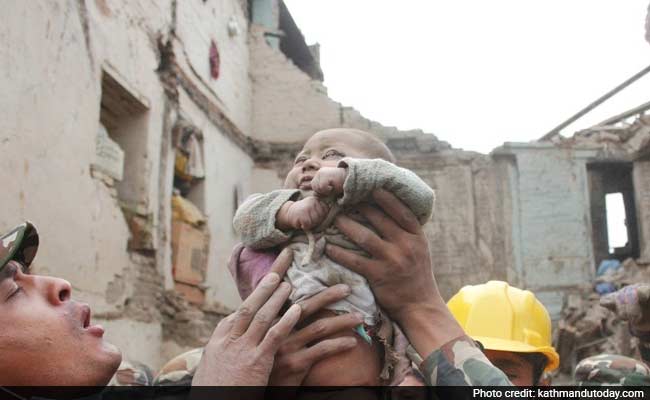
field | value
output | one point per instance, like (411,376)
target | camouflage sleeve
(611,370)
(179,371)
(255,219)
(461,362)
(131,373)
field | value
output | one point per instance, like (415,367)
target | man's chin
(110,358)
(114,352)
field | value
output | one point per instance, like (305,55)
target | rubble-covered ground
(587,329)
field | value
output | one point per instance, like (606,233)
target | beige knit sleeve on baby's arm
(364,176)
(255,219)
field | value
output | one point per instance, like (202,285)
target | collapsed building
(131,131)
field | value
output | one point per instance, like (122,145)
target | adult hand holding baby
(399,271)
(242,348)
(305,347)
(255,346)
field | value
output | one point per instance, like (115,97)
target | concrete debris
(587,329)
(626,139)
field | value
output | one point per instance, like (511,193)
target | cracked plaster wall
(199,22)
(50,70)
(550,227)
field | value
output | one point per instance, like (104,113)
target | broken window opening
(121,148)
(121,138)
(190,237)
(616,224)
(189,167)
(613,211)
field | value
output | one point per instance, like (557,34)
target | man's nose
(57,290)
(311,164)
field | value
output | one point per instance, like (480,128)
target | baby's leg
(360,366)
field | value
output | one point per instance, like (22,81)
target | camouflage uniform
(611,370)
(19,244)
(461,362)
(179,371)
(131,373)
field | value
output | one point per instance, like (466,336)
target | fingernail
(358,317)
(285,286)
(349,342)
(271,278)
(345,289)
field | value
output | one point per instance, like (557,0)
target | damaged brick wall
(466,233)
(186,326)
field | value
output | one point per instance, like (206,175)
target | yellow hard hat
(505,318)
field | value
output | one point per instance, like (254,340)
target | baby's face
(324,149)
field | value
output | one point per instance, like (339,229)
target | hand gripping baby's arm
(364,176)
(255,219)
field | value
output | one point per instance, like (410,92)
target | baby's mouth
(305,183)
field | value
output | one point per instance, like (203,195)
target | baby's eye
(333,154)
(299,160)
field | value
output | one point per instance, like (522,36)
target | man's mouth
(95,330)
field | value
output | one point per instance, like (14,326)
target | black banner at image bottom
(323,393)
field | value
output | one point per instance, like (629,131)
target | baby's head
(326,148)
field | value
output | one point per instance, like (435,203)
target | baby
(336,171)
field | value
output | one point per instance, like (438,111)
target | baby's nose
(311,164)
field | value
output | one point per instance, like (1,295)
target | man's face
(45,337)
(516,368)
